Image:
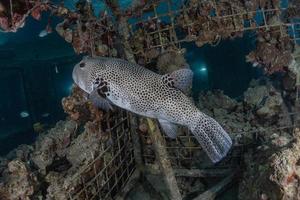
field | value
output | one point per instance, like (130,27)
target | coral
(204,27)
(203,22)
(146,41)
(273,171)
(170,61)
(87,33)
(266,100)
(22,152)
(53,144)
(13,16)
(79,109)
(285,171)
(62,181)
(262,108)
(50,168)
(227,111)
(273,52)
(293,10)
(293,78)
(18,181)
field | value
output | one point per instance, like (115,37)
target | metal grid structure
(109,171)
(177,23)
(160,30)
(183,156)
(185,152)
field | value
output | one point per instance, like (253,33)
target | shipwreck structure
(98,155)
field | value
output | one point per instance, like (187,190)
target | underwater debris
(14,13)
(151,38)
(51,165)
(293,10)
(53,144)
(94,37)
(294,71)
(22,152)
(273,52)
(285,169)
(262,108)
(88,33)
(265,99)
(18,181)
(170,61)
(61,181)
(79,109)
(273,172)
(227,111)
(38,127)
(203,22)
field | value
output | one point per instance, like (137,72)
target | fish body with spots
(134,88)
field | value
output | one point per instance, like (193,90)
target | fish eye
(81,65)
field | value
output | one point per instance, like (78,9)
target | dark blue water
(35,89)
(35,74)
(222,67)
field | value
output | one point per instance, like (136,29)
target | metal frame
(236,22)
(109,171)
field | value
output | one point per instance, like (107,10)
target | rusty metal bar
(216,190)
(162,158)
(200,173)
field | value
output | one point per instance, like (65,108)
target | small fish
(255,64)
(139,90)
(24,114)
(43,33)
(46,31)
(45,115)
(56,69)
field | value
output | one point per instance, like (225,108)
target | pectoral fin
(100,101)
(181,79)
(169,128)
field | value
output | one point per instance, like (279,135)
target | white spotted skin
(140,90)
(143,92)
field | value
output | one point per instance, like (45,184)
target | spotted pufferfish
(134,88)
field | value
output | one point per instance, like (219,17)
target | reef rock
(228,112)
(285,171)
(265,99)
(81,110)
(273,171)
(53,144)
(22,152)
(63,180)
(18,182)
(170,61)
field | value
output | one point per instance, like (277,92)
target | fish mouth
(75,75)
(78,77)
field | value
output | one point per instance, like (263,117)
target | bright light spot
(203,69)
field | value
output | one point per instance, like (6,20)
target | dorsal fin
(181,79)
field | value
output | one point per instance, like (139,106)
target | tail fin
(212,137)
